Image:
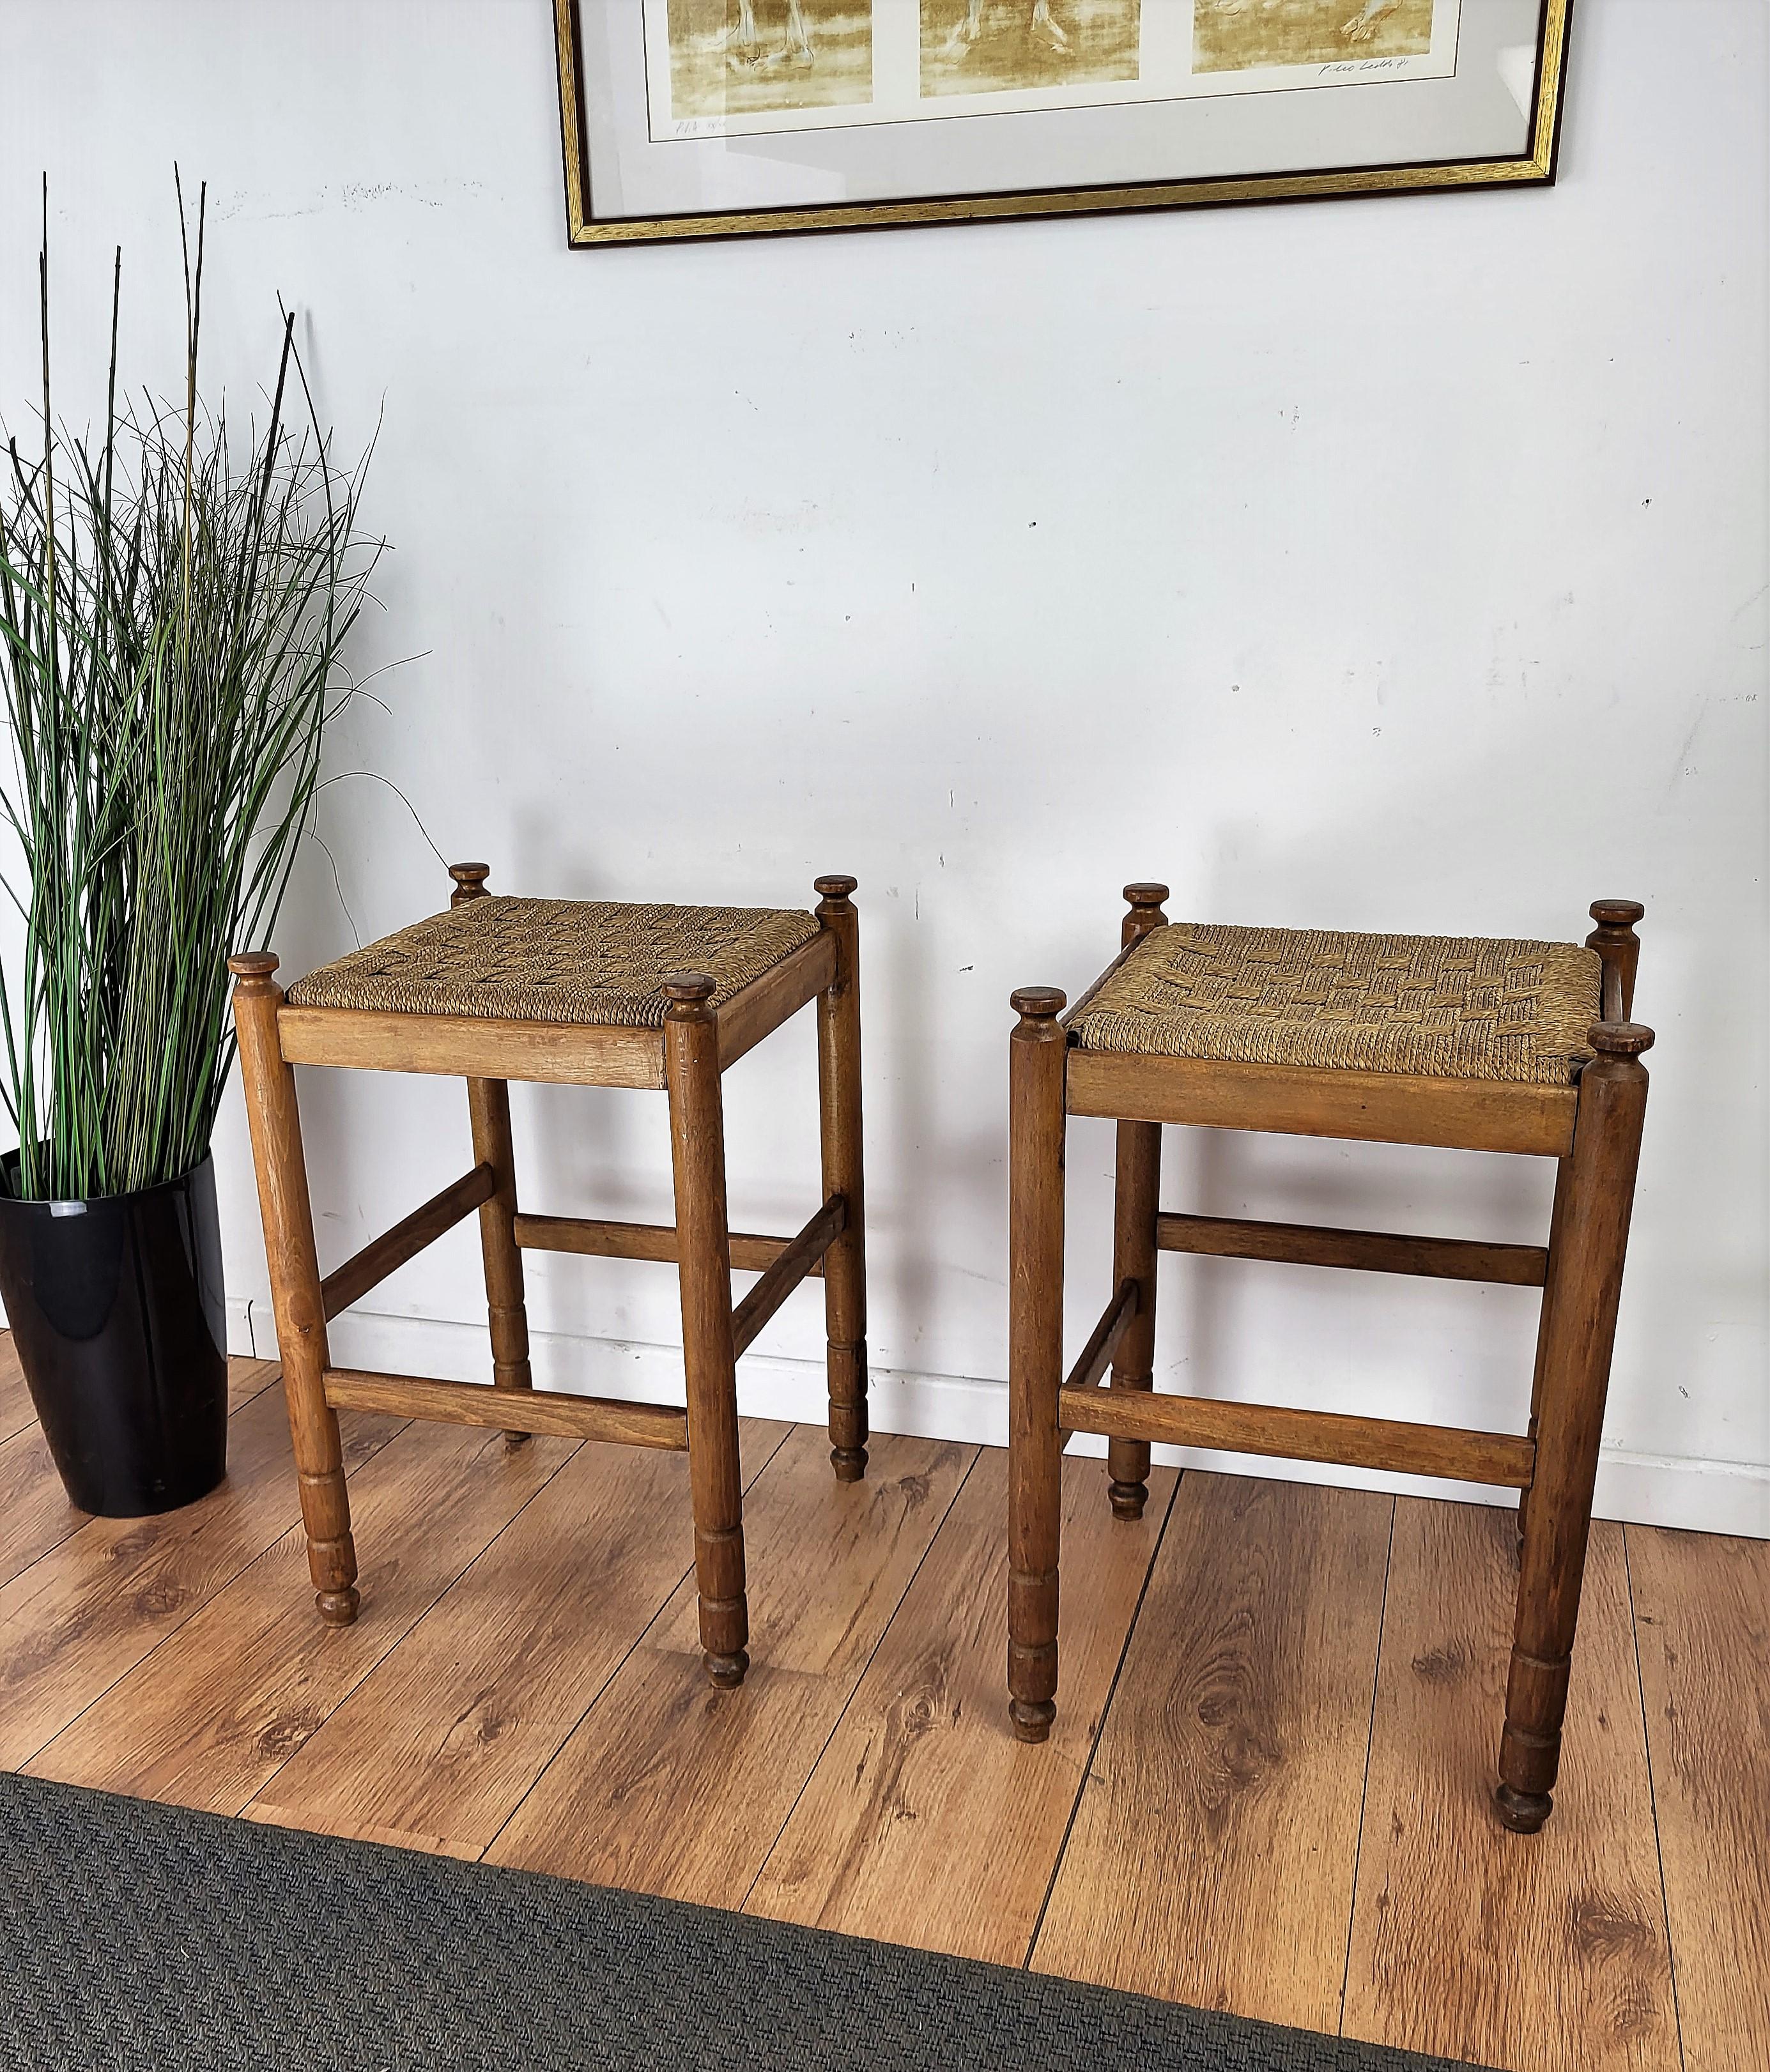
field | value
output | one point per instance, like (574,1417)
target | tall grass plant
(174,603)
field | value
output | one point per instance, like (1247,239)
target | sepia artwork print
(1009,46)
(716,118)
(749,57)
(1237,35)
(748,67)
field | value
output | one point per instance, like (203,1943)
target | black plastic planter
(116,1311)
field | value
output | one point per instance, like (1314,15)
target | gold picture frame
(1534,167)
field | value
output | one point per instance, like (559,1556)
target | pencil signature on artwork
(1239,35)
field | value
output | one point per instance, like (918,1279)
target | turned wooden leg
(1137,1202)
(691,1066)
(1579,1327)
(1619,949)
(1564,1168)
(1037,1052)
(275,1121)
(488,1106)
(1136,1194)
(845,1264)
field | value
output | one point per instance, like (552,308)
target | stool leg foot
(325,1515)
(848,1429)
(1128,1498)
(1032,1718)
(726,1672)
(849,1462)
(1524,1812)
(839,1134)
(724,1613)
(1037,1054)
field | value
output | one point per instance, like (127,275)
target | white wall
(1380,565)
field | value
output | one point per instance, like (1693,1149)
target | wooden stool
(1396,1039)
(585,993)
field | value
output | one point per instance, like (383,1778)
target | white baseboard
(1689,1495)
(240,1331)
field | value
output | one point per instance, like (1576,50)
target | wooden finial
(1145,900)
(469,882)
(1038,1003)
(687,991)
(1617,913)
(253,968)
(835,890)
(1616,941)
(1619,1039)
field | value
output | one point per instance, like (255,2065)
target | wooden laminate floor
(1266,1791)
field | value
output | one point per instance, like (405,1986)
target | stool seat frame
(685,1059)
(1592,1128)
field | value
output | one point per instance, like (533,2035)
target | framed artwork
(740,118)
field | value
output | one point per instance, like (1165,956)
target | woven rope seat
(1433,1006)
(594,962)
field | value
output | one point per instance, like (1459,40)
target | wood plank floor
(1266,1791)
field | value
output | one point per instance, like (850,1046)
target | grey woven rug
(136,1938)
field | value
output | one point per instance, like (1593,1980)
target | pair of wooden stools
(1513,1046)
